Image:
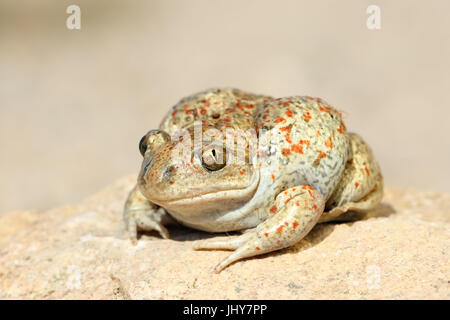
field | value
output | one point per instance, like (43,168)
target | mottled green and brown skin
(315,173)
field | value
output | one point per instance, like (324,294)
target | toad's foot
(141,214)
(294,214)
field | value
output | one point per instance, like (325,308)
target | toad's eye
(213,159)
(143,145)
(152,140)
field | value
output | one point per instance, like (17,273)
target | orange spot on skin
(286,223)
(257,248)
(329,143)
(288,138)
(297,204)
(326,109)
(356,185)
(318,133)
(297,148)
(289,113)
(280,229)
(273,210)
(309,189)
(280,119)
(240,105)
(294,225)
(174,113)
(367,171)
(342,128)
(321,154)
(266,234)
(307,142)
(315,207)
(307,116)
(171,182)
(278,241)
(273,177)
(285,151)
(287,129)
(203,111)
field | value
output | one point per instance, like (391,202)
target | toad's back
(312,145)
(218,108)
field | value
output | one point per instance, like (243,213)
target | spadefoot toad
(227,160)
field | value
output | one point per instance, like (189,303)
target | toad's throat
(211,202)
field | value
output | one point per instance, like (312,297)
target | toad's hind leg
(360,188)
(297,210)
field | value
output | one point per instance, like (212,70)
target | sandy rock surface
(400,250)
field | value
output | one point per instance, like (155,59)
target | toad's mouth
(226,198)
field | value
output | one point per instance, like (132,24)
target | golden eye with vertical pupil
(213,159)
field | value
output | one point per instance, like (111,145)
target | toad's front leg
(141,214)
(293,215)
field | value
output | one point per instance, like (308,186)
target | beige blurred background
(74,104)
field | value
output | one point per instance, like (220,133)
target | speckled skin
(314,172)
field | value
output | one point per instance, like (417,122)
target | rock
(399,251)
